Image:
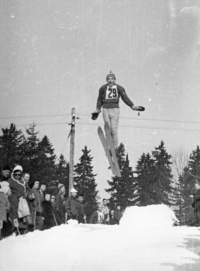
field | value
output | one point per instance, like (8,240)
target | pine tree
(163,175)
(144,181)
(10,147)
(30,160)
(46,160)
(84,181)
(122,189)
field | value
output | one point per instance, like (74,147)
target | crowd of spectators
(25,207)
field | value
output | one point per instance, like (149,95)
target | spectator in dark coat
(112,220)
(118,214)
(48,213)
(60,204)
(97,216)
(81,209)
(196,203)
(38,208)
(71,206)
(18,189)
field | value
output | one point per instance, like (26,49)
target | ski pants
(111,116)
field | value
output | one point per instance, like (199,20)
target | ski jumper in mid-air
(108,100)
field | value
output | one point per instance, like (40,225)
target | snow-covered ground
(145,240)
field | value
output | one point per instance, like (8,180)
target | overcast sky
(55,55)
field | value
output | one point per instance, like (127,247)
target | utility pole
(72,139)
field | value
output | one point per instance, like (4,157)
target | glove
(95,115)
(138,108)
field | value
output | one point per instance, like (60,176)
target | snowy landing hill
(145,240)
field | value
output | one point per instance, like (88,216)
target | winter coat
(112,220)
(117,215)
(48,213)
(31,202)
(71,207)
(105,211)
(97,218)
(81,212)
(38,201)
(59,199)
(18,190)
(4,206)
(197,200)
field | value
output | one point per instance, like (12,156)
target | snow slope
(141,242)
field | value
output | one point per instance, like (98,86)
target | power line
(84,115)
(130,126)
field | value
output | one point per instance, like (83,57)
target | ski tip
(99,129)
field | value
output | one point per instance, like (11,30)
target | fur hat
(111,74)
(18,168)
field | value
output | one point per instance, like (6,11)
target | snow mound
(149,216)
(72,222)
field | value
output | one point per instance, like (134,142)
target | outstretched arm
(125,98)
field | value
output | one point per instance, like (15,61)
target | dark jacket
(197,200)
(4,206)
(38,201)
(48,213)
(60,208)
(71,207)
(109,97)
(81,212)
(117,215)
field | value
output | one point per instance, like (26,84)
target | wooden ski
(107,151)
(112,148)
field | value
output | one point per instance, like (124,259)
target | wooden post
(72,137)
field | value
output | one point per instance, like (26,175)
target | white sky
(54,55)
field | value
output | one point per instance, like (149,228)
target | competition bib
(111,93)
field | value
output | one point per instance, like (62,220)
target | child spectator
(81,209)
(48,213)
(38,220)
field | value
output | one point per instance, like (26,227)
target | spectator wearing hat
(71,206)
(6,171)
(60,203)
(81,209)
(97,216)
(18,189)
(108,99)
